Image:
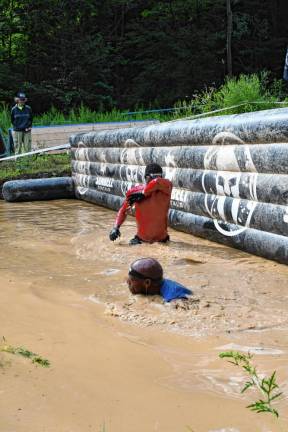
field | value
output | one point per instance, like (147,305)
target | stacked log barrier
(229,175)
(38,189)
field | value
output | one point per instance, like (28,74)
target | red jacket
(152,212)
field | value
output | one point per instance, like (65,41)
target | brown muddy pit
(121,363)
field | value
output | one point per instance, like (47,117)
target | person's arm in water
(120,218)
(122,213)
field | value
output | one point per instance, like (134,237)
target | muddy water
(124,363)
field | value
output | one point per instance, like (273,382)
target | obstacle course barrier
(252,186)
(261,158)
(257,127)
(229,175)
(38,189)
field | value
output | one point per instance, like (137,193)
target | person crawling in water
(151,201)
(146,277)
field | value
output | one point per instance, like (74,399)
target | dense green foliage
(123,53)
(251,92)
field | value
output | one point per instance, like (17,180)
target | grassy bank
(38,166)
(52,164)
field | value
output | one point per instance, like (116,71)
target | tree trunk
(229,37)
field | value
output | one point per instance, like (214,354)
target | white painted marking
(207,206)
(226,159)
(131,143)
(170,160)
(285,217)
(203,182)
(104,181)
(251,206)
(221,207)
(254,186)
(249,165)
(235,209)
(228,233)
(81,190)
(228,178)
(170,173)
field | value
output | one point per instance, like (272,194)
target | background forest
(107,54)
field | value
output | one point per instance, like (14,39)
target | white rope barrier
(39,151)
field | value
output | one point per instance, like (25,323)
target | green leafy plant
(24,352)
(267,385)
(249,90)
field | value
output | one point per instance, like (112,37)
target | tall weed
(251,92)
(245,90)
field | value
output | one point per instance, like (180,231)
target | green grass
(24,352)
(50,165)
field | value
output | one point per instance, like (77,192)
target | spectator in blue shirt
(21,118)
(146,277)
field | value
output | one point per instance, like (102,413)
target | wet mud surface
(123,362)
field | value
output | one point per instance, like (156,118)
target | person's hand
(135,197)
(114,234)
(27,129)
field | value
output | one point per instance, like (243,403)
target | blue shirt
(21,118)
(171,290)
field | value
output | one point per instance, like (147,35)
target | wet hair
(153,169)
(147,268)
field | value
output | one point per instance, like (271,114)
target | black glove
(114,234)
(135,197)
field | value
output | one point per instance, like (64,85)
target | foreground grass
(24,352)
(266,386)
(45,165)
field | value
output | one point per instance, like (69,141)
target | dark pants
(137,240)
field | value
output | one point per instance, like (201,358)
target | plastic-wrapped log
(261,216)
(256,242)
(256,127)
(102,184)
(134,173)
(260,243)
(268,188)
(38,189)
(101,198)
(262,158)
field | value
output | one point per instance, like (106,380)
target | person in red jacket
(151,202)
